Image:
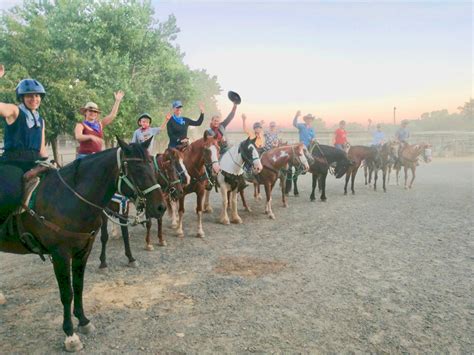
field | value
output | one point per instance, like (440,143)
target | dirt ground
(373,272)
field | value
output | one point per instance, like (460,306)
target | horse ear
(206,134)
(122,144)
(146,143)
(253,140)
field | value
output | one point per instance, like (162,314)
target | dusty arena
(374,272)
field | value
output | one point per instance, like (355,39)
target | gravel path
(372,272)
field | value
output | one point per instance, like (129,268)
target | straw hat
(90,106)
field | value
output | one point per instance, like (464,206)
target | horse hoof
(86,329)
(162,243)
(149,247)
(3,300)
(237,221)
(73,344)
(248,209)
(353,192)
(180,234)
(133,264)
(224,221)
(208,209)
(297,195)
(103,269)
(200,235)
(271,216)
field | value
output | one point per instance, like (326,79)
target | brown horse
(169,167)
(357,154)
(388,153)
(66,215)
(408,158)
(201,159)
(274,161)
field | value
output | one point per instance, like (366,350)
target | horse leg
(179,230)
(365,173)
(384,176)
(161,239)
(224,218)
(244,201)
(353,176)
(235,218)
(397,174)
(348,176)
(295,184)
(388,173)
(199,203)
(104,238)
(268,193)
(207,206)
(148,244)
(413,169)
(376,173)
(314,178)
(405,169)
(62,270)
(283,187)
(126,242)
(322,184)
(288,180)
(78,268)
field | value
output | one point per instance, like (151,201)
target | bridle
(169,186)
(139,198)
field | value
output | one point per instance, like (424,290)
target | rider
(402,134)
(218,128)
(378,136)
(177,126)
(271,137)
(145,132)
(306,131)
(340,136)
(89,133)
(24,137)
(257,133)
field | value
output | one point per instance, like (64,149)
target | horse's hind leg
(62,270)
(207,206)
(405,170)
(283,194)
(295,184)
(348,176)
(235,218)
(268,207)
(104,238)
(376,174)
(244,201)
(413,169)
(224,218)
(313,186)
(199,203)
(288,180)
(384,176)
(148,243)
(366,174)
(322,184)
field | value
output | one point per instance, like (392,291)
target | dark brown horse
(201,159)
(171,175)
(357,154)
(274,161)
(66,216)
(388,153)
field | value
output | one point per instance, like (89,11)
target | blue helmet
(29,86)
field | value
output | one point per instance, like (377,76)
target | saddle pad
(122,201)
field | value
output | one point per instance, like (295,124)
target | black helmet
(234,97)
(143,115)
(29,86)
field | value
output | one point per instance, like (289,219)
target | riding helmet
(29,86)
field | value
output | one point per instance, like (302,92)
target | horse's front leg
(244,201)
(207,206)
(365,174)
(235,218)
(295,185)
(282,187)
(268,193)
(384,176)
(413,169)
(376,174)
(179,230)
(322,184)
(405,169)
(199,205)
(161,239)
(389,172)
(314,178)
(79,263)
(148,243)
(62,270)
(353,176)
(126,242)
(104,238)
(348,176)
(224,218)
(288,179)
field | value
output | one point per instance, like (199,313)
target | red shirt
(340,136)
(89,147)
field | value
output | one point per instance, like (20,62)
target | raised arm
(295,120)
(199,121)
(244,125)
(167,118)
(9,111)
(113,113)
(230,116)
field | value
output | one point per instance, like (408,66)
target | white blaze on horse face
(188,178)
(303,160)
(427,155)
(257,164)
(215,159)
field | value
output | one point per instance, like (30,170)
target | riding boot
(30,174)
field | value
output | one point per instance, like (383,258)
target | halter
(169,187)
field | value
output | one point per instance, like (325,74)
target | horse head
(426,152)
(211,153)
(138,174)
(174,172)
(249,153)
(298,156)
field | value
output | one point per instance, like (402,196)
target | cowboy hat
(309,117)
(234,97)
(90,106)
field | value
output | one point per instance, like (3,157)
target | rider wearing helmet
(145,132)
(177,126)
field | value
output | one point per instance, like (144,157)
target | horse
(201,159)
(169,171)
(273,162)
(357,154)
(408,158)
(388,153)
(66,214)
(232,171)
(323,156)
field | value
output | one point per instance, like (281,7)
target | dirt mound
(248,266)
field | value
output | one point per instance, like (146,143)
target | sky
(335,59)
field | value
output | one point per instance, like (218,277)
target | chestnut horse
(357,154)
(388,153)
(168,169)
(66,214)
(201,159)
(274,161)
(408,158)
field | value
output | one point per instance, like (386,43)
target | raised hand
(201,107)
(2,70)
(298,113)
(244,117)
(168,116)
(119,95)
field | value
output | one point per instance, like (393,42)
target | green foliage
(85,50)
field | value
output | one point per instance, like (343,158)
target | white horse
(231,175)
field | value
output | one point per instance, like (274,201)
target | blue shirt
(378,137)
(402,134)
(306,133)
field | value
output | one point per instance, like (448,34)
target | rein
(168,188)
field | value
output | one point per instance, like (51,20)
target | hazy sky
(338,60)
